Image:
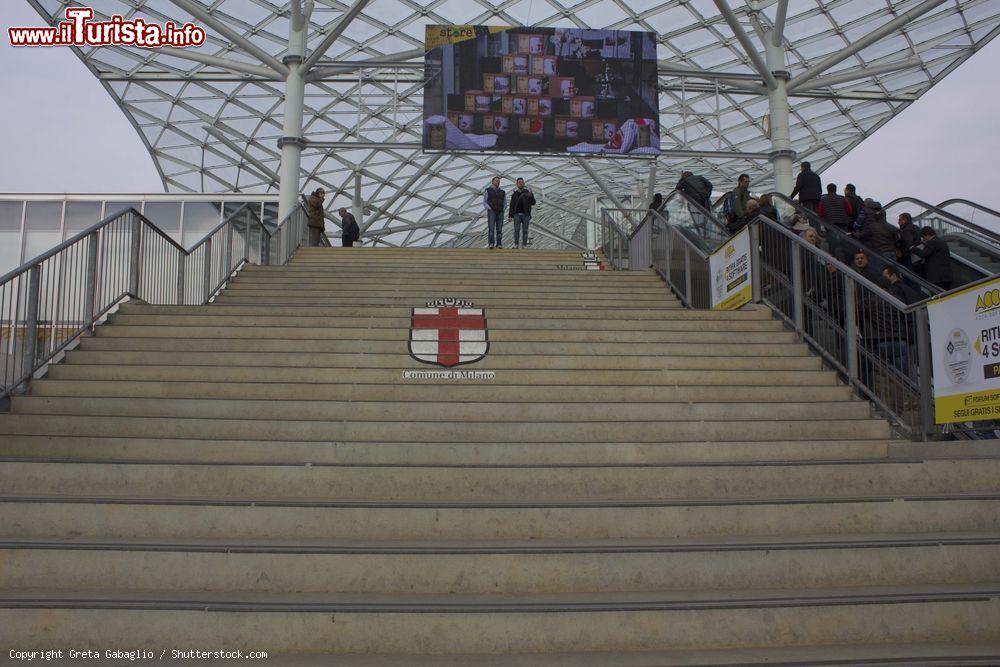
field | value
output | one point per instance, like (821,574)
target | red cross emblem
(448,334)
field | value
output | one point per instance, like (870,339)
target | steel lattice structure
(745,87)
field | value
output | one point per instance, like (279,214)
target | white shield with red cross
(448,333)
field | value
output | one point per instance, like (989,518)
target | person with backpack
(697,188)
(877,233)
(495,201)
(808,187)
(734,206)
(350,232)
(857,207)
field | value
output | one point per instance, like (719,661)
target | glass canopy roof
(211,128)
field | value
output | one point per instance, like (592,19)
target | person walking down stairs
(350,232)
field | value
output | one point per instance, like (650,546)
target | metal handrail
(954,219)
(63,293)
(826,230)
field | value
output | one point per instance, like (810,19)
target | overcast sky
(61,132)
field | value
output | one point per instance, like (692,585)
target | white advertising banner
(965,348)
(732,285)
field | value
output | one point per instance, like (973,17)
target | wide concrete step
(182,450)
(522,349)
(483,624)
(321,339)
(481,299)
(517,313)
(499,483)
(292,314)
(571,377)
(499,568)
(455,274)
(340,279)
(424,393)
(404,430)
(418,288)
(151,518)
(767,357)
(540,412)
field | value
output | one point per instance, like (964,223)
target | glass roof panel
(173,98)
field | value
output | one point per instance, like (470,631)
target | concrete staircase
(639,484)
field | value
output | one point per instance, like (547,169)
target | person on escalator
(739,198)
(835,209)
(858,218)
(697,188)
(909,236)
(767,208)
(863,266)
(808,187)
(878,234)
(936,257)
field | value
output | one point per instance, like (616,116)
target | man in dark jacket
(521,202)
(740,201)
(909,236)
(857,206)
(808,187)
(697,188)
(494,201)
(835,209)
(350,232)
(937,258)
(879,235)
(314,215)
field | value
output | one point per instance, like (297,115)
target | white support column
(782,154)
(357,205)
(292,142)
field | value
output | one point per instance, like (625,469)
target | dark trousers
(314,235)
(348,242)
(812,204)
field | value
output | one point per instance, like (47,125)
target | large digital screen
(540,90)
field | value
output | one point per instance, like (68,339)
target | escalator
(974,246)
(842,246)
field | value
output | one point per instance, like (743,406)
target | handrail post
(208,270)
(265,249)
(755,261)
(227,262)
(181,268)
(924,369)
(687,274)
(90,287)
(798,294)
(246,240)
(30,351)
(850,328)
(134,260)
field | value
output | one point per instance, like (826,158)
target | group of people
(495,202)
(917,249)
(316,220)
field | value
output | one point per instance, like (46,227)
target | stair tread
(498,603)
(538,546)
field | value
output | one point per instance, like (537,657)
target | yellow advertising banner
(965,351)
(732,280)
(439,35)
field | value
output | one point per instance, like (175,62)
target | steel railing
(49,302)
(878,341)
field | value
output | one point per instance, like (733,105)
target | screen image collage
(541,90)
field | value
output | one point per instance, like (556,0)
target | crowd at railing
(49,302)
(863,311)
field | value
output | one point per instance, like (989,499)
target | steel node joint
(781,74)
(301,142)
(778,154)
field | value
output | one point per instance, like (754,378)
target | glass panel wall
(10,235)
(166,215)
(42,222)
(199,219)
